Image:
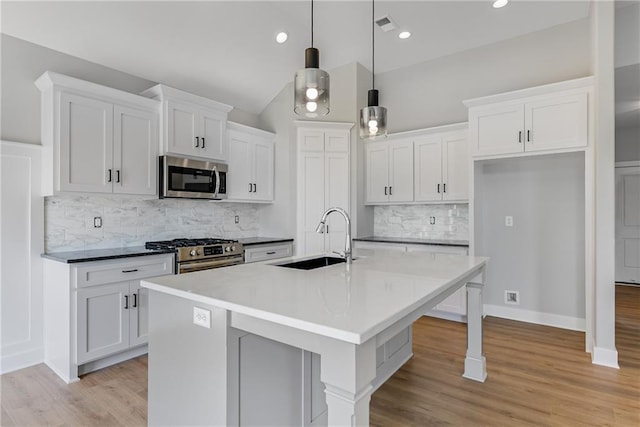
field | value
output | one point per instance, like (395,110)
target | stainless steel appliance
(201,254)
(192,179)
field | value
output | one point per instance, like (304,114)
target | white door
(376,172)
(103,320)
(86,144)
(263,170)
(428,169)
(135,151)
(239,176)
(498,129)
(310,202)
(336,194)
(455,166)
(182,129)
(557,122)
(138,314)
(628,224)
(212,142)
(401,171)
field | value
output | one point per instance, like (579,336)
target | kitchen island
(344,315)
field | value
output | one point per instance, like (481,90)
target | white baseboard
(605,357)
(547,319)
(462,318)
(13,362)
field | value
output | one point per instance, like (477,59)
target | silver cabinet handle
(217,190)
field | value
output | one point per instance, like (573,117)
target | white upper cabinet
(191,125)
(251,164)
(389,171)
(323,181)
(548,118)
(442,167)
(100,140)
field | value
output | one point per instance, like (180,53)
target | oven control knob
(233,248)
(227,248)
(193,252)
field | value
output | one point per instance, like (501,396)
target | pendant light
(373,119)
(311,93)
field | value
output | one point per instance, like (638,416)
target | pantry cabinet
(96,312)
(389,171)
(97,139)
(548,118)
(323,181)
(441,165)
(251,164)
(191,125)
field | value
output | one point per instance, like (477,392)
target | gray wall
(431,93)
(24,62)
(627,144)
(542,255)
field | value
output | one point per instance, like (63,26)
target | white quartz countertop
(351,303)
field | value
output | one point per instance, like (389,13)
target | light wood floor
(538,376)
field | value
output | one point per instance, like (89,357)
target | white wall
(431,93)
(627,144)
(627,34)
(23,62)
(543,255)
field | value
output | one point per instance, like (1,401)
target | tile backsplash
(131,221)
(448,221)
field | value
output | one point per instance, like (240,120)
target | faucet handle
(342,254)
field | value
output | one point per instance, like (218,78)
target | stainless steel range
(201,254)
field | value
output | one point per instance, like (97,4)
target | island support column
(475,364)
(347,371)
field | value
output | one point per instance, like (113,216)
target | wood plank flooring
(538,376)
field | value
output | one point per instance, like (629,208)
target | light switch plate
(202,317)
(508,221)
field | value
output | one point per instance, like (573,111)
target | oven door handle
(205,265)
(215,171)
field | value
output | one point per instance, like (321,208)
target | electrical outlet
(202,317)
(508,221)
(237,219)
(97,221)
(512,297)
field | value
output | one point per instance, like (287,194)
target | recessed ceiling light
(282,37)
(500,3)
(404,34)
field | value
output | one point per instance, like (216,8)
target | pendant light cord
(373,45)
(311,23)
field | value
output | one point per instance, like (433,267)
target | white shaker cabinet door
(182,129)
(263,170)
(498,129)
(239,176)
(455,166)
(401,171)
(336,195)
(138,315)
(212,142)
(86,144)
(428,169)
(103,320)
(377,172)
(311,194)
(135,151)
(556,122)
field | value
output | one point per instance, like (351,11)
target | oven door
(207,264)
(192,179)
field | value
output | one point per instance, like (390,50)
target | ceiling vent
(386,24)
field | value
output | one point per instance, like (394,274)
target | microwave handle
(215,171)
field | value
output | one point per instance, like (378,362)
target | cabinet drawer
(263,253)
(101,272)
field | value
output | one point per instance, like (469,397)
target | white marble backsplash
(448,221)
(130,221)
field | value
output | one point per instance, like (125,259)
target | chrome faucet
(347,243)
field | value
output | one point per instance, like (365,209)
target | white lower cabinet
(255,253)
(96,312)
(452,308)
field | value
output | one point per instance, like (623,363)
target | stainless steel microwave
(192,179)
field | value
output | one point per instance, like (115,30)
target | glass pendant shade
(373,119)
(311,87)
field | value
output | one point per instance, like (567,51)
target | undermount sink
(310,264)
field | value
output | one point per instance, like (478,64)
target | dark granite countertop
(102,254)
(248,241)
(413,241)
